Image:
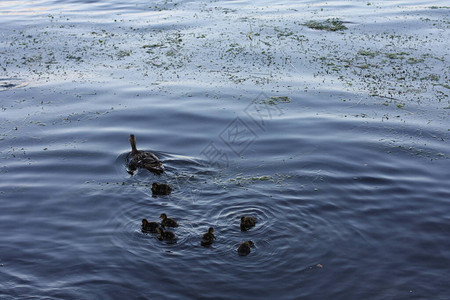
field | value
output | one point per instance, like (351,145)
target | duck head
(211,231)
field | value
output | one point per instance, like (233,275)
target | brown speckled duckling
(149,226)
(161,189)
(165,235)
(168,222)
(244,248)
(208,238)
(142,159)
(247,223)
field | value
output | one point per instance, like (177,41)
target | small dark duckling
(141,159)
(165,235)
(207,238)
(149,226)
(168,222)
(244,248)
(247,223)
(161,189)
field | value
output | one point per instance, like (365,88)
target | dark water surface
(336,141)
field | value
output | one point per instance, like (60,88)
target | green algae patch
(413,60)
(332,24)
(397,55)
(367,53)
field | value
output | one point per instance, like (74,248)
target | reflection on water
(348,183)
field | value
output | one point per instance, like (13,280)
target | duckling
(207,238)
(142,159)
(247,223)
(168,222)
(244,248)
(149,226)
(165,235)
(161,189)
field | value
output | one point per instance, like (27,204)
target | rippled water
(336,141)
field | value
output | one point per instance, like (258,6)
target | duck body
(168,222)
(165,235)
(149,226)
(247,223)
(161,189)
(245,248)
(143,160)
(208,238)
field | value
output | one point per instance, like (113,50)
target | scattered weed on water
(124,53)
(366,53)
(439,7)
(387,64)
(153,46)
(276,100)
(401,105)
(277,179)
(332,24)
(398,55)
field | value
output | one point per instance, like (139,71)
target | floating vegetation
(270,54)
(277,179)
(240,179)
(415,151)
(332,24)
(153,46)
(276,100)
(366,53)
(390,72)
(413,60)
(123,53)
(439,7)
(399,55)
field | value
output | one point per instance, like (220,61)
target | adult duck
(143,160)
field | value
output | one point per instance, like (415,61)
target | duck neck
(134,150)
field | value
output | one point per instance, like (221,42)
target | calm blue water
(336,141)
